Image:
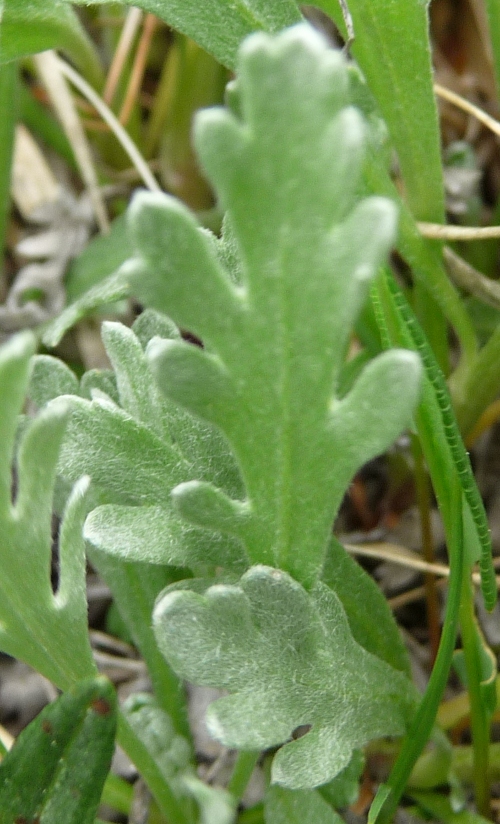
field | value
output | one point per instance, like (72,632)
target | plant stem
(243,769)
(463,762)
(456,709)
(388,796)
(480,722)
(135,587)
(423,501)
(151,773)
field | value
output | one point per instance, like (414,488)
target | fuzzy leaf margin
(287,170)
(288,659)
(47,630)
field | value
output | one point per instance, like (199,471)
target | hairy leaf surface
(370,618)
(287,171)
(137,446)
(47,630)
(172,754)
(288,659)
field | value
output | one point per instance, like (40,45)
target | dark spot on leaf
(100,706)
(300,731)
(21,820)
(47,727)
(190,337)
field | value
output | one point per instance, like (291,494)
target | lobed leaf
(287,658)
(137,452)
(156,535)
(47,630)
(287,171)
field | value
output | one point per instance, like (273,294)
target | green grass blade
(426,262)
(421,726)
(455,444)
(481,384)
(392,48)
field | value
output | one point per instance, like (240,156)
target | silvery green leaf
(288,172)
(287,659)
(47,630)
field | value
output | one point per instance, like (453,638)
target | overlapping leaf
(47,630)
(136,452)
(219,26)
(288,659)
(370,618)
(287,172)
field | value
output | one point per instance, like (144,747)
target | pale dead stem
(467,277)
(466,106)
(138,68)
(396,554)
(113,123)
(52,76)
(125,43)
(436,230)
(464,275)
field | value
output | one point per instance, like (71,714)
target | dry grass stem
(467,106)
(49,68)
(439,231)
(138,68)
(396,554)
(467,277)
(125,43)
(113,123)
